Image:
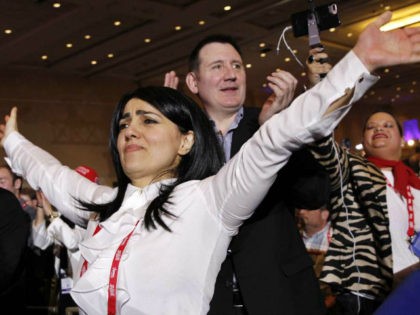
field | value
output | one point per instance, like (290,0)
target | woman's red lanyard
(410,208)
(113,274)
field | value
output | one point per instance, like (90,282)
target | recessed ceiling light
(87,36)
(410,142)
(56,5)
(287,59)
(202,22)
(227,8)
(69,45)
(295,51)
(398,88)
(44,57)
(178,28)
(262,45)
(147,40)
(387,8)
(264,85)
(117,23)
(263,55)
(93,62)
(349,34)
(397,76)
(386,70)
(248,65)
(8,31)
(303,74)
(332,29)
(372,92)
(359,146)
(414,82)
(110,55)
(411,91)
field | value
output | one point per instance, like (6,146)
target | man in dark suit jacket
(14,233)
(268,270)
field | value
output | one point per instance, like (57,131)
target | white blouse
(174,272)
(402,256)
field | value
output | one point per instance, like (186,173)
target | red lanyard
(113,274)
(410,208)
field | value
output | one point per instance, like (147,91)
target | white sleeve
(62,186)
(40,237)
(244,181)
(67,236)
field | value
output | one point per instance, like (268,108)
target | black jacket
(274,271)
(14,233)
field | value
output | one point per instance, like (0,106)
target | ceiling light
(56,5)
(262,45)
(414,83)
(359,147)
(386,70)
(410,142)
(93,62)
(178,28)
(147,40)
(8,31)
(110,55)
(303,74)
(69,45)
(117,23)
(287,59)
(202,22)
(387,8)
(295,51)
(248,65)
(227,8)
(349,34)
(44,57)
(332,29)
(263,55)
(87,36)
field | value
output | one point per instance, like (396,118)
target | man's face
(220,80)
(6,180)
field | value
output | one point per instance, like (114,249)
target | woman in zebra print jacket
(370,215)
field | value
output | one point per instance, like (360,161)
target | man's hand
(283,85)
(380,49)
(171,80)
(317,64)
(10,124)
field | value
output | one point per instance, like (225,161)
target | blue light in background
(411,130)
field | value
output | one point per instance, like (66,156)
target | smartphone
(326,16)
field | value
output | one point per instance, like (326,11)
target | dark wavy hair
(193,59)
(204,159)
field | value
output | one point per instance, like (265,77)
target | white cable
(283,38)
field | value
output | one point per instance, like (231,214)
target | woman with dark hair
(375,213)
(165,229)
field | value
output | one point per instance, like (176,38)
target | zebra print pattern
(359,257)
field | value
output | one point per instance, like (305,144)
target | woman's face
(150,146)
(381,137)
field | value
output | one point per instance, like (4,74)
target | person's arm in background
(57,230)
